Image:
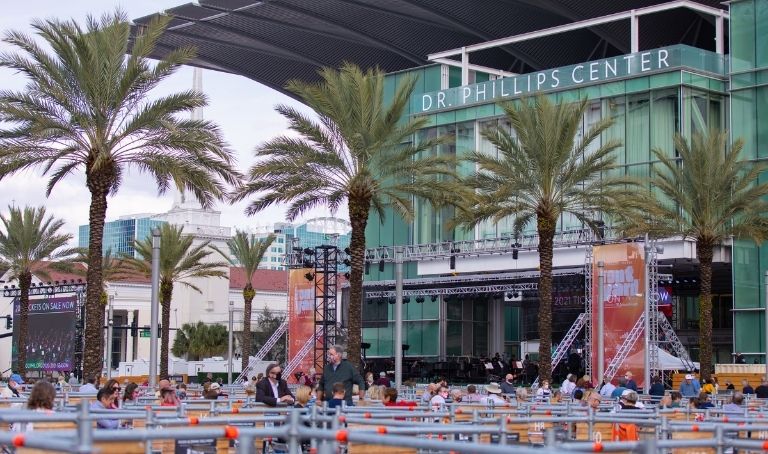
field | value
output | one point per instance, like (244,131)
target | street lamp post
(155,302)
(600,321)
(229,345)
(110,328)
(398,317)
(647,321)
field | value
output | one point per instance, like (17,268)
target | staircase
(565,344)
(671,337)
(624,349)
(306,348)
(266,348)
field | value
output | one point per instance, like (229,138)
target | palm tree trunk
(358,215)
(94,309)
(245,346)
(166,293)
(25,279)
(546,229)
(704,251)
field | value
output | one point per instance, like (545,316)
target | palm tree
(180,260)
(358,150)
(200,340)
(30,238)
(85,108)
(247,251)
(542,172)
(707,194)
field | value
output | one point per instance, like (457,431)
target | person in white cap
(688,387)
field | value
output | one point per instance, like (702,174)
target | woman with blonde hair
(375,392)
(303,395)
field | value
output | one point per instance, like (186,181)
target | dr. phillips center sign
(554,79)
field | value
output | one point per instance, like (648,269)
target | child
(338,395)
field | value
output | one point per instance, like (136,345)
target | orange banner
(624,296)
(301,316)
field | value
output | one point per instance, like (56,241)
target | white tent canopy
(667,361)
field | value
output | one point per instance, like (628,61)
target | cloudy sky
(242,107)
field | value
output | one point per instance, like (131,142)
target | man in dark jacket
(272,389)
(338,370)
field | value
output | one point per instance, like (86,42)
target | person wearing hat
(688,387)
(628,400)
(631,383)
(13,384)
(494,395)
(213,391)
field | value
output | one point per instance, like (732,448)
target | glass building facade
(695,91)
(119,235)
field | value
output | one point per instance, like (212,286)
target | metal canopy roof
(274,41)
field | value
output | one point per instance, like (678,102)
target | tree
(180,261)
(359,149)
(85,108)
(198,341)
(247,252)
(542,172)
(268,322)
(708,194)
(30,238)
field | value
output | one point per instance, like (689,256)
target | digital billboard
(50,343)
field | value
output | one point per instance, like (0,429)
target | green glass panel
(761,34)
(744,120)
(454,77)
(612,89)
(761,99)
(616,109)
(664,80)
(742,36)
(511,324)
(481,77)
(466,114)
(446,118)
(746,275)
(637,84)
(453,335)
(431,76)
(480,311)
(638,135)
(480,339)
(453,310)
(749,335)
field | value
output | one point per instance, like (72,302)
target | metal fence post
(84,435)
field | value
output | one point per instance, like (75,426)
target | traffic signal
(134,327)
(8,322)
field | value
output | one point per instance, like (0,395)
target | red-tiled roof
(264,280)
(56,275)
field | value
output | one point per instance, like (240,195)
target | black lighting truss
(55,288)
(326,260)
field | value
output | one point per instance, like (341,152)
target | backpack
(625,432)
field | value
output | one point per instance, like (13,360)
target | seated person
(272,389)
(212,393)
(390,399)
(338,395)
(104,400)
(168,398)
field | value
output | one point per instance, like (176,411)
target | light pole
(154,303)
(398,316)
(647,320)
(766,324)
(600,321)
(229,345)
(110,328)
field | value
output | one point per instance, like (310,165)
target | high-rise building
(312,233)
(119,235)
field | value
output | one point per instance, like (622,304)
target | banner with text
(623,291)
(50,343)
(301,317)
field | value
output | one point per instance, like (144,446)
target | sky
(243,108)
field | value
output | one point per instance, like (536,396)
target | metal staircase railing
(565,344)
(266,348)
(305,349)
(624,349)
(671,337)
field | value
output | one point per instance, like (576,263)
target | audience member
(746,387)
(688,387)
(494,395)
(383,380)
(41,398)
(105,398)
(273,389)
(736,405)
(339,391)
(472,396)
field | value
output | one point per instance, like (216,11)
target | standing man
(339,370)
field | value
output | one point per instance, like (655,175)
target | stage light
(346,276)
(309,251)
(419,299)
(348,251)
(434,298)
(367,267)
(381,266)
(309,264)
(391,300)
(406,299)
(347,262)
(56,282)
(309,276)
(79,281)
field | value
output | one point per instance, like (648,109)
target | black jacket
(264,391)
